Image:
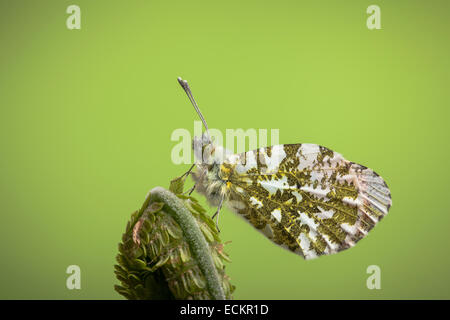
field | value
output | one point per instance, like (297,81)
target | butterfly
(303,197)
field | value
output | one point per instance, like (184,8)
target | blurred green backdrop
(86,118)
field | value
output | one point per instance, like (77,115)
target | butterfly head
(206,152)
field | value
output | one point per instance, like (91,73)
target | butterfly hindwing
(306,198)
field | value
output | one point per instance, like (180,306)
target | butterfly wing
(307,198)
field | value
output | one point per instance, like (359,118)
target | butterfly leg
(184,176)
(193,188)
(187,173)
(189,192)
(216,215)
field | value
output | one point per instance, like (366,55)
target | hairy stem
(198,245)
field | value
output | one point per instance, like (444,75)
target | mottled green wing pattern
(306,198)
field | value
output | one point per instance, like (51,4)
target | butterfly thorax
(213,170)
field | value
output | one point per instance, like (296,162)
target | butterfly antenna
(184,84)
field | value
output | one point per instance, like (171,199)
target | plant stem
(197,243)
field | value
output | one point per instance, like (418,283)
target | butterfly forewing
(305,197)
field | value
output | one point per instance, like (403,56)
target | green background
(86,118)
